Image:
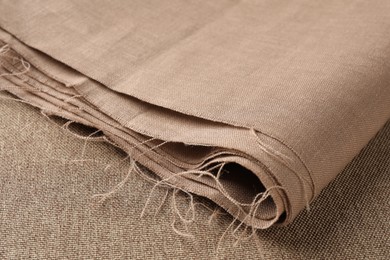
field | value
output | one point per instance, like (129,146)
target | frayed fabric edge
(253,206)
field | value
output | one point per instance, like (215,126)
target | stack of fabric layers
(256,105)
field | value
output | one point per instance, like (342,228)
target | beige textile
(256,105)
(48,176)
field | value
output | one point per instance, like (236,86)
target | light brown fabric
(48,176)
(256,105)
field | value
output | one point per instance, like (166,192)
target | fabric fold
(254,105)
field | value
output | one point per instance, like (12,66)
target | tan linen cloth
(48,176)
(258,104)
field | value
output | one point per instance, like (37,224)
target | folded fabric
(256,105)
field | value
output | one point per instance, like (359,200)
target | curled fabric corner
(259,123)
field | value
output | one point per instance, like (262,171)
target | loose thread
(90,137)
(25,65)
(280,158)
(132,168)
(4,49)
